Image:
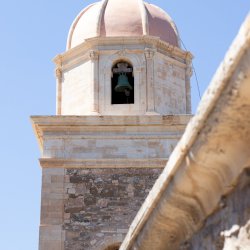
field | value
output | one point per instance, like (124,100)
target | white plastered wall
(77,89)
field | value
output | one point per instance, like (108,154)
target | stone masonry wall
(101,204)
(229,227)
(170,87)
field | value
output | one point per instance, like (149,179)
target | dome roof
(116,18)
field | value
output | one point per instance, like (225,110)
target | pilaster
(149,55)
(94,56)
(58,74)
(189,72)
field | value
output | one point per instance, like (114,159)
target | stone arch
(137,60)
(122,83)
(120,59)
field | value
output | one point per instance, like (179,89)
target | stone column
(149,54)
(58,73)
(189,72)
(93,55)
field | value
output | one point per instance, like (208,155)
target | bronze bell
(123,83)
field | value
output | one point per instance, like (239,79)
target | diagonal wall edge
(206,163)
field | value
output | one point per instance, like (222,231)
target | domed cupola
(123,58)
(119,18)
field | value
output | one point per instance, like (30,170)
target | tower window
(122,84)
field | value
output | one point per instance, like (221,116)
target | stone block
(53,171)
(51,238)
(57,179)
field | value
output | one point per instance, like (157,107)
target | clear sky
(32,33)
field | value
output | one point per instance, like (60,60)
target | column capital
(122,52)
(58,60)
(93,55)
(189,71)
(58,73)
(149,53)
(189,58)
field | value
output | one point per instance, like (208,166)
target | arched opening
(122,83)
(113,247)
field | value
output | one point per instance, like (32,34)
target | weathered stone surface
(206,163)
(103,204)
(126,142)
(240,239)
(74,196)
(229,227)
(160,78)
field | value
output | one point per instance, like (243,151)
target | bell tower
(123,101)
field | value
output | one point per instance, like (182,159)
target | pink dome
(117,18)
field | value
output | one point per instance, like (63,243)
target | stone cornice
(103,163)
(77,124)
(120,135)
(73,121)
(148,41)
(93,55)
(173,61)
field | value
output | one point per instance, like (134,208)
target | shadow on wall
(113,247)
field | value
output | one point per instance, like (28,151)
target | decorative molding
(58,73)
(149,53)
(189,67)
(75,61)
(122,52)
(93,55)
(103,163)
(75,125)
(189,71)
(189,58)
(58,60)
(106,108)
(67,122)
(86,135)
(139,69)
(92,43)
(171,60)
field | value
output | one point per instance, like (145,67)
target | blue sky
(32,33)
